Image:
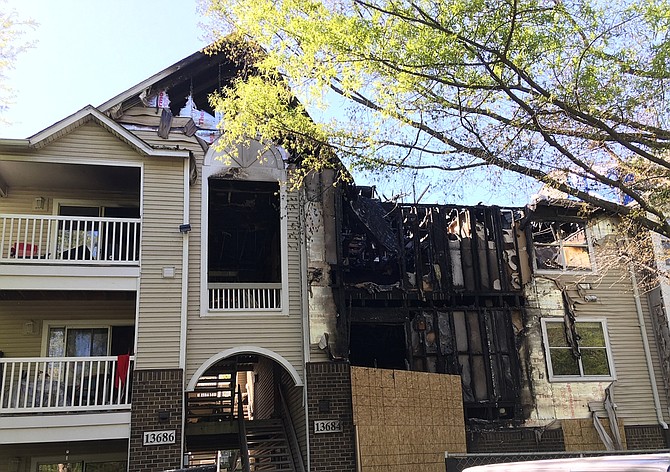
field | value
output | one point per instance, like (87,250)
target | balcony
(64,384)
(33,239)
(245,297)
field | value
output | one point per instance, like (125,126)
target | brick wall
(581,435)
(645,437)
(516,440)
(155,392)
(329,385)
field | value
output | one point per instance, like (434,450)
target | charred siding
(434,288)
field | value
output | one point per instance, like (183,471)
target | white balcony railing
(51,384)
(68,239)
(244,297)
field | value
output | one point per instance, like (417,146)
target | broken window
(593,360)
(560,246)
(378,345)
(244,232)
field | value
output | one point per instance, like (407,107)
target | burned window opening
(560,245)
(364,258)
(244,232)
(378,345)
(476,340)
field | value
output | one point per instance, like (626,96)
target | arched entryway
(244,409)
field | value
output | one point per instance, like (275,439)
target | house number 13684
(327,426)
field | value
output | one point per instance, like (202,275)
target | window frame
(561,245)
(66,340)
(82,324)
(581,377)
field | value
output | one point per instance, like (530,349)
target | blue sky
(87,51)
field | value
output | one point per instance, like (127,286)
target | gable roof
(90,113)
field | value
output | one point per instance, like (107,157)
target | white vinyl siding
(280,333)
(14,314)
(210,344)
(159,323)
(20,200)
(633,387)
(89,142)
(616,304)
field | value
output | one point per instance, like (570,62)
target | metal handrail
(45,239)
(293,443)
(242,431)
(50,384)
(245,296)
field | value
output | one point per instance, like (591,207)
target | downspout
(305,322)
(184,298)
(647,351)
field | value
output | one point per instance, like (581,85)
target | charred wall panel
(449,276)
(428,250)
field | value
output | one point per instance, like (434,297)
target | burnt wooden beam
(505,282)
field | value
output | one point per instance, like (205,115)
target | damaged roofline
(139,88)
(89,113)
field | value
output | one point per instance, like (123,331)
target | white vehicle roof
(637,462)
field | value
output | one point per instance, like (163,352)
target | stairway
(213,396)
(268,446)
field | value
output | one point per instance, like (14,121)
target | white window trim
(256,173)
(575,378)
(80,324)
(589,244)
(101,204)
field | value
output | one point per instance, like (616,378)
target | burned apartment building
(434,288)
(515,302)
(198,308)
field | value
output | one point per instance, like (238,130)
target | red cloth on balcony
(122,365)
(23,250)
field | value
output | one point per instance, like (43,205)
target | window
(61,467)
(82,466)
(89,341)
(78,342)
(83,235)
(244,232)
(594,358)
(561,246)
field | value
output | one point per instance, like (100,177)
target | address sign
(327,426)
(159,437)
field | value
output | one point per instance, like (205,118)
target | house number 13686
(159,437)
